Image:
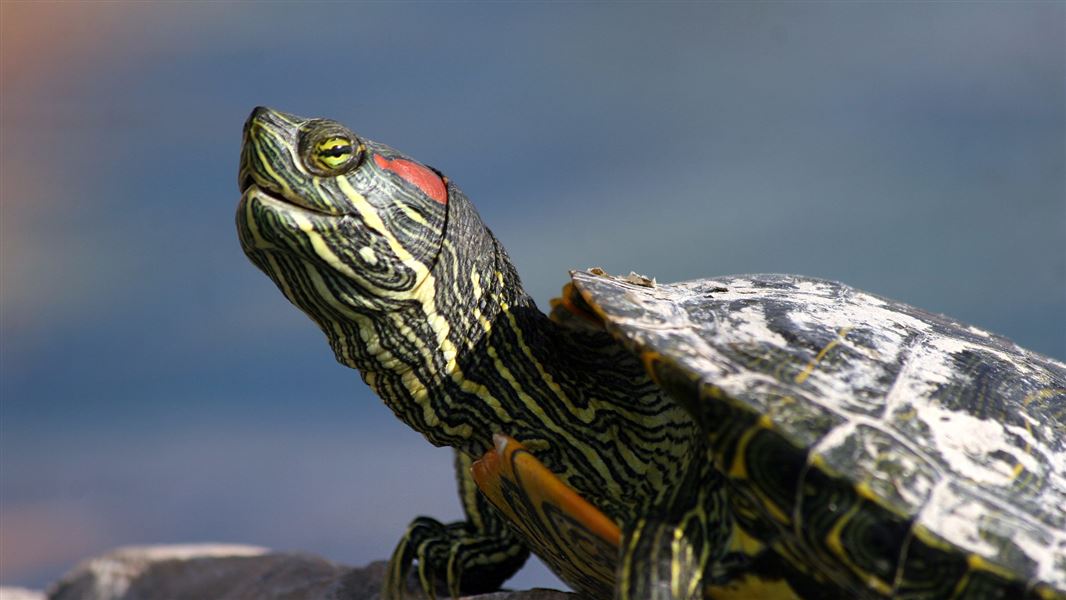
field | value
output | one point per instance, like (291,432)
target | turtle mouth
(272,200)
(250,188)
(246,183)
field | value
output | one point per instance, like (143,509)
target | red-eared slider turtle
(758,436)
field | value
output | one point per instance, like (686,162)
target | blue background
(157,388)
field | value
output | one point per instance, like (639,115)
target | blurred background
(155,387)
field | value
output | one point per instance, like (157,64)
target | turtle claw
(450,557)
(435,548)
(412,548)
(396,576)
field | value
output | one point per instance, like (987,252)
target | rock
(14,593)
(204,572)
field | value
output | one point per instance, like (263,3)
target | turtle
(747,436)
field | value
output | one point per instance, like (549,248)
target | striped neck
(426,358)
(472,355)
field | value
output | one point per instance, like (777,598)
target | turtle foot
(452,558)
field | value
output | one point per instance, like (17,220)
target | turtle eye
(334,154)
(331,152)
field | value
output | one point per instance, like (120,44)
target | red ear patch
(417,175)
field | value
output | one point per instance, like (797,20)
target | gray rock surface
(15,593)
(225,572)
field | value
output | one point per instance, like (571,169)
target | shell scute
(809,420)
(843,529)
(898,476)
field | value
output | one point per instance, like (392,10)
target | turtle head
(348,229)
(386,255)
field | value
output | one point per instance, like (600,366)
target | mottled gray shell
(961,430)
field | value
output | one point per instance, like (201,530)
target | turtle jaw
(264,218)
(256,199)
(269,225)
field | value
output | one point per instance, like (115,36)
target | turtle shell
(881,445)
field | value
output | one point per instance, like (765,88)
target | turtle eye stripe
(336,151)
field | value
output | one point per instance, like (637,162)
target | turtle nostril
(259,114)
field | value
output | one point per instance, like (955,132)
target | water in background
(155,387)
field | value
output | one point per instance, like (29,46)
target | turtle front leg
(467,557)
(662,560)
(670,552)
